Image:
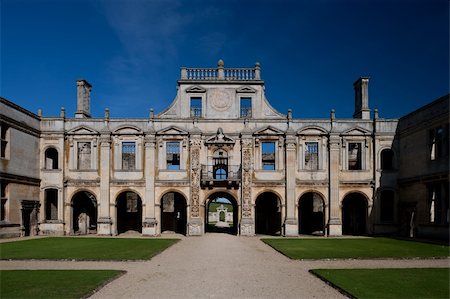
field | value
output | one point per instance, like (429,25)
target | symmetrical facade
(220,138)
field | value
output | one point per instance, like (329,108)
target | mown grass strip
(53,283)
(389,283)
(356,248)
(73,248)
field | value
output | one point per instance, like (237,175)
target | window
(268,155)
(51,158)
(196,107)
(387,206)
(3,201)
(84,155)
(387,159)
(438,143)
(246,107)
(51,204)
(354,156)
(128,155)
(173,155)
(312,155)
(4,138)
(439,203)
(220,166)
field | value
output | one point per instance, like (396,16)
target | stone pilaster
(291,224)
(195,225)
(104,223)
(334,222)
(150,223)
(247,223)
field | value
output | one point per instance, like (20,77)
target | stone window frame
(322,149)
(438,207)
(47,217)
(248,97)
(5,140)
(118,155)
(73,159)
(4,202)
(131,144)
(166,153)
(259,143)
(192,112)
(438,144)
(162,161)
(365,152)
(45,161)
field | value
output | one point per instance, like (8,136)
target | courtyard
(221,266)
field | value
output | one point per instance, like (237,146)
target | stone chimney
(83,99)
(361,87)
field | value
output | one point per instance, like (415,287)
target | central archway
(173,213)
(354,214)
(129,212)
(84,213)
(221,214)
(311,212)
(268,214)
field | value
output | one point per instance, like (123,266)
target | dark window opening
(196,107)
(268,155)
(387,159)
(3,139)
(387,206)
(128,156)
(246,107)
(312,156)
(3,201)
(51,204)
(438,143)
(173,155)
(51,158)
(439,203)
(354,156)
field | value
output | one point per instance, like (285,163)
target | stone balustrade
(221,73)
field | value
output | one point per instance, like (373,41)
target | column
(150,223)
(291,224)
(195,223)
(334,222)
(104,219)
(247,221)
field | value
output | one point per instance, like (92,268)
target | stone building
(219,138)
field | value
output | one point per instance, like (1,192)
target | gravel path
(220,266)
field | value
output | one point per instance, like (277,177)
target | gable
(269,130)
(127,130)
(172,130)
(245,89)
(312,130)
(356,131)
(83,130)
(196,89)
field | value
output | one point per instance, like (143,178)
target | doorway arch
(354,214)
(268,214)
(84,213)
(311,213)
(173,213)
(221,213)
(129,212)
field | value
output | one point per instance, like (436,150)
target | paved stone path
(219,266)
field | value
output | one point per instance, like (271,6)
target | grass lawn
(52,283)
(355,248)
(390,283)
(72,248)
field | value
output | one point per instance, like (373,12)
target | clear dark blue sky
(310,52)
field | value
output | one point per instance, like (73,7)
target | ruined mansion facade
(221,139)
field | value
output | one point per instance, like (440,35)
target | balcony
(220,176)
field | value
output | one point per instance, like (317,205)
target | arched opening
(387,159)
(354,214)
(268,214)
(173,213)
(84,213)
(221,214)
(311,212)
(129,212)
(51,158)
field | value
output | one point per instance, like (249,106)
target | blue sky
(310,52)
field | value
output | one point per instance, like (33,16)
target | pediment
(269,130)
(245,89)
(83,130)
(196,89)
(124,130)
(312,130)
(356,131)
(172,130)
(219,138)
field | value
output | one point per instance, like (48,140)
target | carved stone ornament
(220,99)
(246,177)
(195,177)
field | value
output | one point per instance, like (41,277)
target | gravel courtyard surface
(220,266)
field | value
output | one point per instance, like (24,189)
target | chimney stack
(361,87)
(83,99)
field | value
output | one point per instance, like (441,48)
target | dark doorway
(129,212)
(221,214)
(354,214)
(30,211)
(268,214)
(173,213)
(311,212)
(84,208)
